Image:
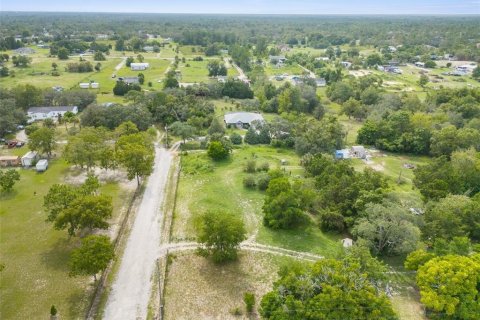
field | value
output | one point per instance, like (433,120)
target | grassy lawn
(196,72)
(154,74)
(35,255)
(219,186)
(272,70)
(198,289)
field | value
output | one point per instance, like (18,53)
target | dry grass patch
(198,289)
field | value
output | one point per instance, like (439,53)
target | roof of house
(30,155)
(358,148)
(9,158)
(243,117)
(49,109)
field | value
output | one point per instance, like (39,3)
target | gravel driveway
(130,292)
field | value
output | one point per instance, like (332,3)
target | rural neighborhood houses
(242,120)
(42,113)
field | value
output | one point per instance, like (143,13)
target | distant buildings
(129,80)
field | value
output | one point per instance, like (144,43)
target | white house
(139,66)
(84,85)
(420,64)
(29,158)
(346,64)
(42,113)
(321,82)
(242,119)
(42,165)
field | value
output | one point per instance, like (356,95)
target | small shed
(29,158)
(9,161)
(347,242)
(42,165)
(342,154)
(95,85)
(358,152)
(84,85)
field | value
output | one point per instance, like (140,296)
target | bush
(217,151)
(53,311)
(264,167)
(249,299)
(249,182)
(332,220)
(251,166)
(235,138)
(30,129)
(263,181)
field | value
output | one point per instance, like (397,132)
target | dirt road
(131,289)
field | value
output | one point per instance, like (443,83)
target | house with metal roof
(42,113)
(242,119)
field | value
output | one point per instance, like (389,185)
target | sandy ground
(21,136)
(131,289)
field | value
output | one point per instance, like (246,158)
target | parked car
(11,144)
(20,144)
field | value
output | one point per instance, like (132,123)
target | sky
(251,6)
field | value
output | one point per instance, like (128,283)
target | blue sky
(251,6)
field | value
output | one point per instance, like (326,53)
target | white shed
(42,165)
(95,85)
(347,242)
(29,158)
(85,85)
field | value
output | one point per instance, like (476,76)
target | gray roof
(49,109)
(243,117)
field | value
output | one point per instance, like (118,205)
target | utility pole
(166,136)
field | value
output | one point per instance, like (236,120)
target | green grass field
(196,72)
(35,255)
(272,70)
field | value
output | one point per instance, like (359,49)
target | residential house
(392,49)
(139,66)
(9,161)
(148,48)
(29,158)
(278,60)
(42,113)
(129,80)
(346,64)
(242,120)
(420,64)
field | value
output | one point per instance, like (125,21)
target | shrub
(217,151)
(251,166)
(249,182)
(262,182)
(249,299)
(235,138)
(264,167)
(30,129)
(53,311)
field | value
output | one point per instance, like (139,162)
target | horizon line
(253,14)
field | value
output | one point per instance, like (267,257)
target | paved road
(131,289)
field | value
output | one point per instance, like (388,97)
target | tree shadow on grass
(57,257)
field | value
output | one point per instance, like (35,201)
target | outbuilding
(42,165)
(84,85)
(347,242)
(29,158)
(358,152)
(9,161)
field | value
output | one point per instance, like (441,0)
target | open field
(293,69)
(35,255)
(218,186)
(196,72)
(198,289)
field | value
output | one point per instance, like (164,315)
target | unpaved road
(130,292)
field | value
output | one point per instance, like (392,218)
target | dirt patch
(359,73)
(198,289)
(78,176)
